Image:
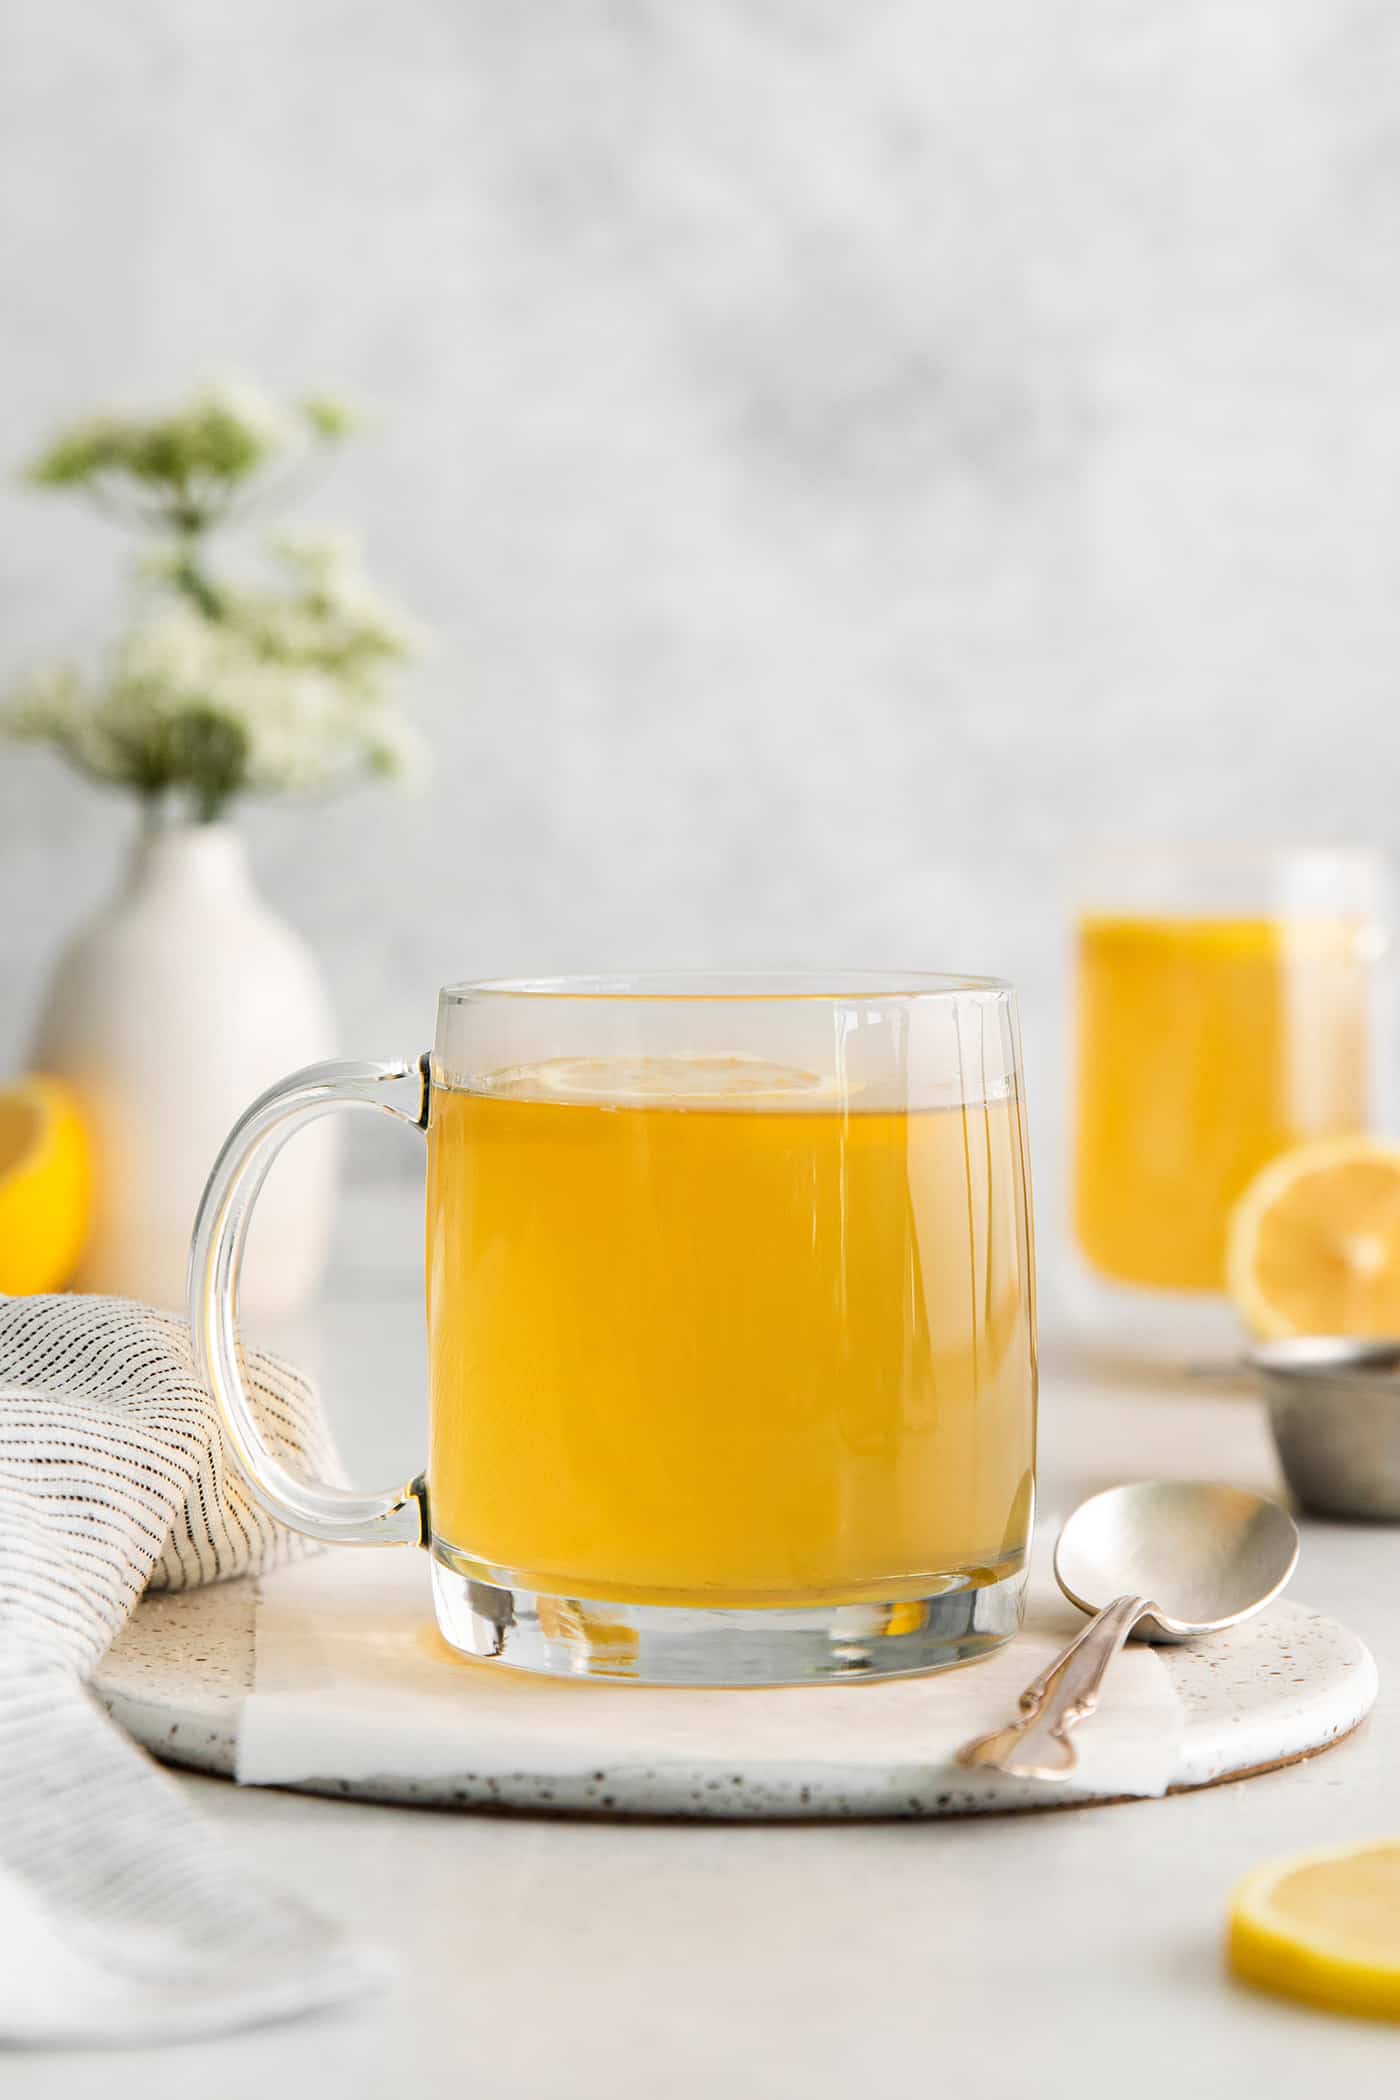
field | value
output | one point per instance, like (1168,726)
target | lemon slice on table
(45,1186)
(1314,1242)
(1325,1927)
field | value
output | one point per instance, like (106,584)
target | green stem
(188,573)
(189,577)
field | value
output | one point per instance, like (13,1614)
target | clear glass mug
(731,1323)
(1229,1003)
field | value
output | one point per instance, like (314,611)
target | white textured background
(848,455)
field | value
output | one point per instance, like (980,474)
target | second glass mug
(1230,1005)
(731,1323)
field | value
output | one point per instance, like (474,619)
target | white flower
(269,425)
(277,682)
(323,552)
(305,728)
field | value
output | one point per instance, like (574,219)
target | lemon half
(1324,1927)
(45,1186)
(1314,1244)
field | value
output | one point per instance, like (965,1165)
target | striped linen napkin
(123,1916)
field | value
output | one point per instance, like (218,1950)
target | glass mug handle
(341,1516)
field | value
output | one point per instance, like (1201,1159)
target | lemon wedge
(1325,1927)
(45,1186)
(1314,1245)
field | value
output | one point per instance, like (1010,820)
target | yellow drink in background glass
(1206,1046)
(748,1352)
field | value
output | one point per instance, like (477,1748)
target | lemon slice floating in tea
(1315,1242)
(681,1082)
(45,1186)
(1324,1927)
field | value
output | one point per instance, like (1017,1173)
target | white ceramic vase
(173,1010)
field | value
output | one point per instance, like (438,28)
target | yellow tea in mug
(701,1332)
(1205,1047)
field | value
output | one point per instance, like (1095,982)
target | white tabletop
(1074,1953)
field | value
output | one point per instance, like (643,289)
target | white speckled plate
(1279,1688)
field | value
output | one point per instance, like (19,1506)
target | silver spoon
(1165,1560)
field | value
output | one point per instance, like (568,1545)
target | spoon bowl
(1206,1555)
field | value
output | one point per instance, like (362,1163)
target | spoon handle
(1038,1746)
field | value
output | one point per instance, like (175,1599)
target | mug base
(554,1636)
